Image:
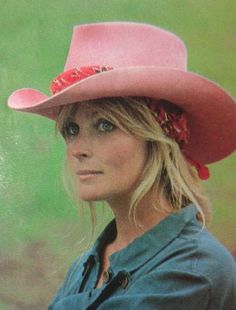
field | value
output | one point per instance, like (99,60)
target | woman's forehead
(86,110)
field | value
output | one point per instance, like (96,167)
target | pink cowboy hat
(132,59)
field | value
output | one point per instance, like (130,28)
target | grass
(34,41)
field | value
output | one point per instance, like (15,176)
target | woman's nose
(81,148)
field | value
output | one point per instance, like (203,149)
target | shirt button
(123,278)
(124,282)
(106,276)
(199,216)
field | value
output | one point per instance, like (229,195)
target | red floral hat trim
(173,122)
(170,117)
(69,77)
(203,171)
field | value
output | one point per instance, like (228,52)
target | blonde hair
(166,173)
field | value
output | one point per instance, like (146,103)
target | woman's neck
(146,218)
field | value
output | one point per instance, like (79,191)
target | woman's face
(106,161)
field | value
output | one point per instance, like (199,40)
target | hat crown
(124,44)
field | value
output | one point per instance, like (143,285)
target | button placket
(121,279)
(87,269)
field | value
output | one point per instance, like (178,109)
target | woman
(138,130)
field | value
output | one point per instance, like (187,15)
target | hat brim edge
(195,94)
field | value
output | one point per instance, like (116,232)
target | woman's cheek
(121,153)
(70,158)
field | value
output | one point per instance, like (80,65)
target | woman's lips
(87,174)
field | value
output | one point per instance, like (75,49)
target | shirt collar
(148,244)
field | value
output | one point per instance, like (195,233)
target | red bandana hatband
(69,77)
(172,121)
(170,117)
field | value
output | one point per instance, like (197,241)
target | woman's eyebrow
(88,115)
(69,119)
(93,115)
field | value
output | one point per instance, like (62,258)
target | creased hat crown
(125,45)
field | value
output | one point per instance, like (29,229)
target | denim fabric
(175,265)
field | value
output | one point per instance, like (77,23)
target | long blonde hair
(166,173)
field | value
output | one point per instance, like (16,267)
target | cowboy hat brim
(211,111)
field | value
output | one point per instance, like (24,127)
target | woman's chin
(90,197)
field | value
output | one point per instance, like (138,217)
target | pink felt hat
(139,60)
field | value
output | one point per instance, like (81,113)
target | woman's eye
(71,129)
(104,126)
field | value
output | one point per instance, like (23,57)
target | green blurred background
(39,223)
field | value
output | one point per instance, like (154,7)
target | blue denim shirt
(175,265)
